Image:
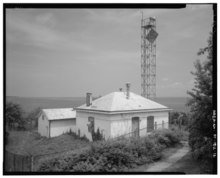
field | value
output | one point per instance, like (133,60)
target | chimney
(88,99)
(120,89)
(127,90)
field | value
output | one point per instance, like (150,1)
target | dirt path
(160,166)
(186,165)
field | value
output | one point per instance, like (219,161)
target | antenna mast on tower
(148,57)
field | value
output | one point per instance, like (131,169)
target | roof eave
(58,119)
(125,111)
(52,119)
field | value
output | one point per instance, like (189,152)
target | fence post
(32,163)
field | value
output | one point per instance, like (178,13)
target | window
(42,117)
(150,123)
(91,125)
(135,126)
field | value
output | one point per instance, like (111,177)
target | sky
(68,52)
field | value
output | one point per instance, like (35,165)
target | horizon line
(85,96)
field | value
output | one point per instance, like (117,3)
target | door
(135,127)
(150,123)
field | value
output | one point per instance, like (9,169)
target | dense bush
(179,118)
(114,155)
(201,124)
(97,136)
(14,116)
(32,119)
(181,134)
(166,137)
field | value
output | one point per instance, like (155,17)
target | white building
(120,113)
(54,122)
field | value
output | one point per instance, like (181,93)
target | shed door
(135,126)
(150,123)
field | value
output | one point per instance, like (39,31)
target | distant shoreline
(84,96)
(29,104)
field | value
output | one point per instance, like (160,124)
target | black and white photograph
(110,89)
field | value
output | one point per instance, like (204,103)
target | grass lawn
(31,143)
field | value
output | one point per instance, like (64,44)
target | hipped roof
(60,113)
(117,102)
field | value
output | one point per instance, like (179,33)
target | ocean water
(175,103)
(28,104)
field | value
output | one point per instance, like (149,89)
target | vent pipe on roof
(88,99)
(120,89)
(128,90)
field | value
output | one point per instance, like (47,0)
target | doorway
(135,127)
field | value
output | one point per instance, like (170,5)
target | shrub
(166,137)
(202,151)
(182,134)
(97,136)
(114,155)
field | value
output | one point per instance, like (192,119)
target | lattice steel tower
(148,57)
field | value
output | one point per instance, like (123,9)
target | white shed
(54,122)
(121,113)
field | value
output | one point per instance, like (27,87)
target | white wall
(58,127)
(121,124)
(43,125)
(120,127)
(117,124)
(100,120)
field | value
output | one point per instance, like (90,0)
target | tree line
(15,117)
(201,109)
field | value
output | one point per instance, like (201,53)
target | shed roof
(117,102)
(60,113)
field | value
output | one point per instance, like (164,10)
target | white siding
(43,126)
(58,127)
(101,122)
